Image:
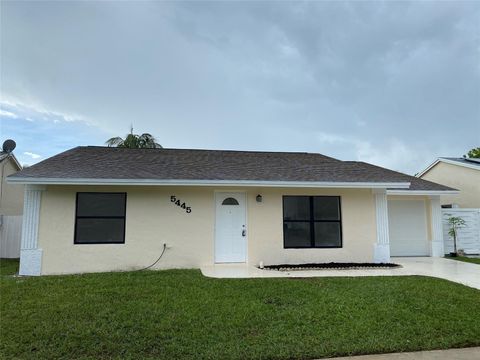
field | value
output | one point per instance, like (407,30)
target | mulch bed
(331,266)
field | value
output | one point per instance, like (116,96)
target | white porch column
(436,249)
(381,252)
(30,254)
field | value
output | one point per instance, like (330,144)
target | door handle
(244,231)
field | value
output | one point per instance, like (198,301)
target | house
(93,209)
(464,175)
(11,208)
(460,173)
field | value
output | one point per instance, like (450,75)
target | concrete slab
(456,271)
(451,354)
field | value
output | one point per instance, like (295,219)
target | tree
(134,141)
(474,153)
(455,223)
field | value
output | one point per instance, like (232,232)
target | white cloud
(333,138)
(8,114)
(18,109)
(396,155)
(32,155)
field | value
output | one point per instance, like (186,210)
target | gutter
(180,182)
(422,192)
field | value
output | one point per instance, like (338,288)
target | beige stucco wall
(152,220)
(459,177)
(266,228)
(11,201)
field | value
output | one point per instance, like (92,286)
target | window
(230,201)
(100,218)
(312,222)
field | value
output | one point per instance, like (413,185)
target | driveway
(451,354)
(456,271)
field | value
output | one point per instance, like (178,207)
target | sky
(396,84)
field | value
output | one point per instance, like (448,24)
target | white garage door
(407,222)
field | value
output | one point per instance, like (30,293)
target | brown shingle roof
(183,164)
(415,183)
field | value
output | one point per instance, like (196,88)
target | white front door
(230,228)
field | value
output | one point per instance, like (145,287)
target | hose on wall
(156,261)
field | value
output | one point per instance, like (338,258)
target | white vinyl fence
(10,236)
(468,238)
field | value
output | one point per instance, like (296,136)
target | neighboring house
(464,175)
(460,173)
(104,209)
(11,208)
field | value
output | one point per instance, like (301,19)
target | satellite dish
(8,146)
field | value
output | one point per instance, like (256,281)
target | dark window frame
(312,222)
(124,217)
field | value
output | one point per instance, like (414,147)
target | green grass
(8,266)
(465,259)
(179,314)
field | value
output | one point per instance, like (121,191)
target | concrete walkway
(456,271)
(451,354)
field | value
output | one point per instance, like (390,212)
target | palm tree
(134,141)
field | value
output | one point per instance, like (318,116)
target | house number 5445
(177,202)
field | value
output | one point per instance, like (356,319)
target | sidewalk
(452,354)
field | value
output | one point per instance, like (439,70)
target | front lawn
(465,259)
(8,266)
(179,314)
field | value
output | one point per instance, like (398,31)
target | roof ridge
(214,150)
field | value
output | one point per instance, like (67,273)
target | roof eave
(421,173)
(447,161)
(407,192)
(180,182)
(14,159)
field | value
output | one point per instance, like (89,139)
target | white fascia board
(421,173)
(422,192)
(453,162)
(14,160)
(303,184)
(461,209)
(447,161)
